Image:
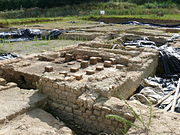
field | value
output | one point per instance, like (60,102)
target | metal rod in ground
(175,97)
(165,97)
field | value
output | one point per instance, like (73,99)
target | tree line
(18,4)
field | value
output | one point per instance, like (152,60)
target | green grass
(40,44)
(111,8)
(2,51)
(145,123)
(20,21)
(86,11)
(27,20)
(10,22)
(153,16)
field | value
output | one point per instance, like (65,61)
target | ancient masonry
(84,83)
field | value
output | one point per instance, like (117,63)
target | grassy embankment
(170,11)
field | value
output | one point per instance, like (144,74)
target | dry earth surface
(35,122)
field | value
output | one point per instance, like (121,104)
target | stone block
(113,60)
(11,84)
(107,63)
(55,85)
(97,113)
(49,84)
(68,57)
(99,68)
(79,60)
(119,66)
(65,102)
(90,72)
(48,69)
(75,107)
(68,109)
(99,59)
(65,73)
(107,121)
(74,69)
(93,60)
(61,87)
(86,57)
(92,117)
(77,112)
(88,112)
(78,56)
(84,64)
(62,54)
(114,104)
(71,63)
(78,76)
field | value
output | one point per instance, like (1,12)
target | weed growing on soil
(39,85)
(143,127)
(2,52)
(40,44)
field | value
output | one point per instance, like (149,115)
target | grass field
(165,17)
(10,22)
(170,11)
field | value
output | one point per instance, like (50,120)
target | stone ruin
(84,83)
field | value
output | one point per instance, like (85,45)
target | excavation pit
(80,97)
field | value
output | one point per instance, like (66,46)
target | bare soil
(36,122)
(30,47)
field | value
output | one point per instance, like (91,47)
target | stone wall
(85,94)
(85,109)
(89,100)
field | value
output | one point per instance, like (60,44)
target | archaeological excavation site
(93,78)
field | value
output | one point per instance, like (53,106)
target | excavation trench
(83,83)
(126,20)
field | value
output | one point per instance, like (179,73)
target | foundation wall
(88,100)
(89,113)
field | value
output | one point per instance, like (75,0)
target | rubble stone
(2,81)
